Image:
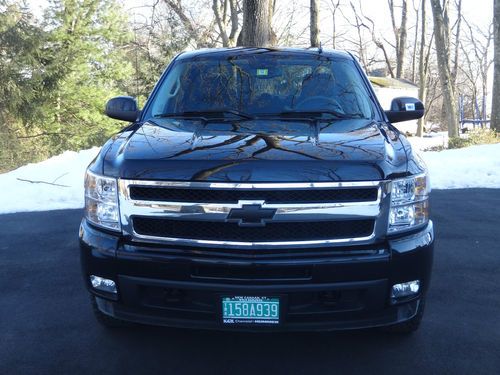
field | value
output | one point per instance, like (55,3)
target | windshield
(263,85)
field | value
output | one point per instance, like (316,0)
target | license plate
(250,310)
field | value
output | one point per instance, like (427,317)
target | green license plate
(250,310)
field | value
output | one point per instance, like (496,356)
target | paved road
(46,326)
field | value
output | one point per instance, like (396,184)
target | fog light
(102,284)
(405,289)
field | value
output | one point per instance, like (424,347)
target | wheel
(106,320)
(410,325)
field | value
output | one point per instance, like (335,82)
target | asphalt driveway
(46,325)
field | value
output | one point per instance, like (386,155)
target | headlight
(409,203)
(101,201)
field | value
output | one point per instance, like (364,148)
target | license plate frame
(249,318)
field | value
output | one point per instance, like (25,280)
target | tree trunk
(256,30)
(220,23)
(422,74)
(415,43)
(228,40)
(443,57)
(402,41)
(457,42)
(495,107)
(334,23)
(400,34)
(314,10)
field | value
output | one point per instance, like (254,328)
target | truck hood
(258,150)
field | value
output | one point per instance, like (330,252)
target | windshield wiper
(216,114)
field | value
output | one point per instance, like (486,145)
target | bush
(475,137)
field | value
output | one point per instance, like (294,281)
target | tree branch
(41,182)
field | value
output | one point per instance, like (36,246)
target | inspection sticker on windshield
(250,310)
(262,72)
(410,106)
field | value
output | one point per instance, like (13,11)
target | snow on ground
(57,183)
(439,139)
(470,167)
(60,179)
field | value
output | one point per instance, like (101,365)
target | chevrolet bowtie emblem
(251,215)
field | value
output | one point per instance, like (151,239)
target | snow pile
(435,139)
(470,167)
(57,183)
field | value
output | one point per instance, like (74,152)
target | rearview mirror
(404,109)
(122,108)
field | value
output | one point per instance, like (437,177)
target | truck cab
(259,189)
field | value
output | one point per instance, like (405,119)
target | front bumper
(333,289)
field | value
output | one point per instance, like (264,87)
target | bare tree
(400,33)
(422,73)
(381,46)
(358,24)
(416,8)
(314,25)
(198,35)
(226,15)
(359,36)
(495,107)
(256,30)
(334,6)
(458,5)
(478,62)
(188,24)
(443,57)
(288,18)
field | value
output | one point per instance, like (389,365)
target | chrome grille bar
(218,212)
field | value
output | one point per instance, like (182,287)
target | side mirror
(122,108)
(404,109)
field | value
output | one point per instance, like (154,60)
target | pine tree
(20,79)
(86,65)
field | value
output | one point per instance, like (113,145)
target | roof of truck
(239,51)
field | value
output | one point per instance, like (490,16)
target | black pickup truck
(259,189)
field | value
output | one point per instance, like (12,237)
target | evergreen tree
(86,66)
(55,77)
(20,82)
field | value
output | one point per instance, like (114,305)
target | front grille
(272,232)
(162,194)
(206,214)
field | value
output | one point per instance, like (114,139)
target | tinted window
(263,84)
